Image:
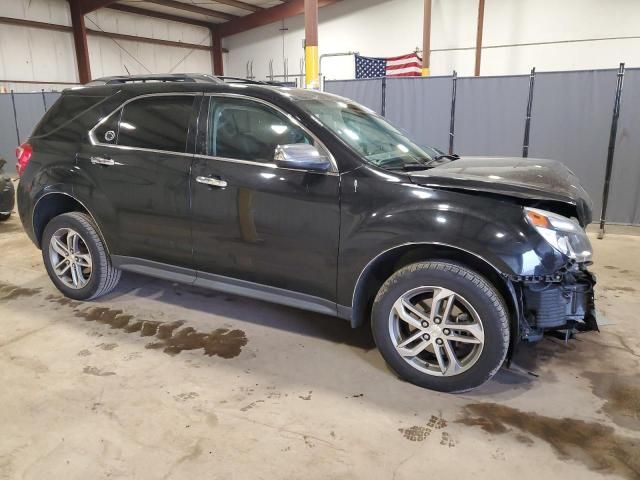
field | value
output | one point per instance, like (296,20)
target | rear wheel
(76,259)
(441,326)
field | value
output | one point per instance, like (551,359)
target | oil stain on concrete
(595,445)
(621,395)
(11,292)
(170,337)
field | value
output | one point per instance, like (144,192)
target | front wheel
(441,326)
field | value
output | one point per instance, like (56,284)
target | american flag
(402,66)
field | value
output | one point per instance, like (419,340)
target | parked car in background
(310,200)
(7,193)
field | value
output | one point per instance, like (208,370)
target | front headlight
(562,233)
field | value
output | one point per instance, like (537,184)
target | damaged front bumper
(565,304)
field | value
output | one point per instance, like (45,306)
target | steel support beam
(216,52)
(190,7)
(161,15)
(80,41)
(157,41)
(33,24)
(242,5)
(99,33)
(89,6)
(39,82)
(426,39)
(267,16)
(479,37)
(311,44)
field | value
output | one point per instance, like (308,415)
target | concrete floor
(116,389)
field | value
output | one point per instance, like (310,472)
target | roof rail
(227,79)
(170,77)
(177,77)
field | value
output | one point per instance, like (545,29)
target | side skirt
(228,285)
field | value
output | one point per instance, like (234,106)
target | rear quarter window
(66,109)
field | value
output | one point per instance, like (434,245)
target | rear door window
(158,123)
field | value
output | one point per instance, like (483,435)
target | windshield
(369,134)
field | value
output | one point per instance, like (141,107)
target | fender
(378,218)
(72,197)
(356,315)
(486,233)
(371,262)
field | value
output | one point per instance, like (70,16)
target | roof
(134,85)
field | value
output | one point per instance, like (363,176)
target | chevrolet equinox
(309,200)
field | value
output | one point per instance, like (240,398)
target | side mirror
(301,156)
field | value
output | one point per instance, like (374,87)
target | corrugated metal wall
(32,54)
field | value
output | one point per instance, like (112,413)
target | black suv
(310,200)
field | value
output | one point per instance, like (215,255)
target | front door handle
(102,161)
(211,181)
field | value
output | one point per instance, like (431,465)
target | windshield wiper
(452,156)
(411,167)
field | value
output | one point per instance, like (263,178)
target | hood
(527,178)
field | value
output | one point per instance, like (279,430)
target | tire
(99,277)
(477,316)
(4,216)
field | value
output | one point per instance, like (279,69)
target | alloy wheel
(70,258)
(436,331)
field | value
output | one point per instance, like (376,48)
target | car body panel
(382,210)
(269,225)
(143,210)
(528,178)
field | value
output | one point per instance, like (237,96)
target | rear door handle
(102,161)
(211,181)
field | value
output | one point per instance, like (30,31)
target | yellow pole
(311,44)
(311,64)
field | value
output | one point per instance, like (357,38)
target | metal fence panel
(8,138)
(50,98)
(624,196)
(490,115)
(29,109)
(571,121)
(368,92)
(422,108)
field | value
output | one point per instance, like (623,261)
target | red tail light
(23,153)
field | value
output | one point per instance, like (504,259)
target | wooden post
(216,52)
(80,41)
(479,37)
(426,39)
